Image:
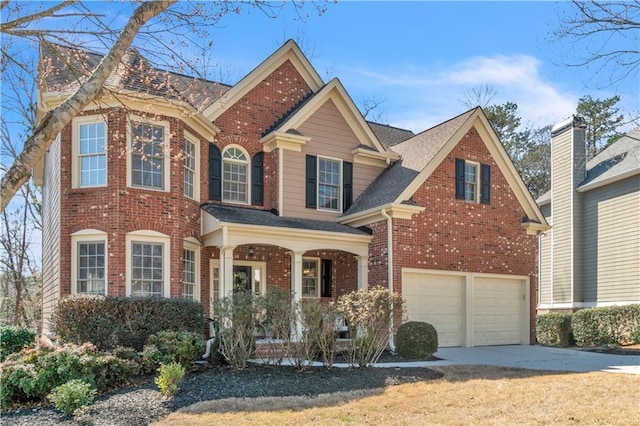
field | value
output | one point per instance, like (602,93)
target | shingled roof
(389,135)
(416,153)
(249,216)
(64,69)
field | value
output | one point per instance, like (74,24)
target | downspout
(392,346)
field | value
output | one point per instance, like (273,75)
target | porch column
(363,272)
(296,290)
(226,271)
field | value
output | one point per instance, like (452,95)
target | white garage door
(495,315)
(497,311)
(438,300)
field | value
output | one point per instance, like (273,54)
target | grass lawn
(465,395)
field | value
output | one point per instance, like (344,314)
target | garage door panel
(438,300)
(497,311)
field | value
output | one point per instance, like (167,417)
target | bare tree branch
(35,16)
(54,121)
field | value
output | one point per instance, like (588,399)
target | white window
(310,287)
(148,162)
(191,269)
(191,167)
(90,156)
(235,175)
(470,181)
(329,184)
(89,262)
(148,264)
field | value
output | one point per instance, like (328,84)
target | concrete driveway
(539,358)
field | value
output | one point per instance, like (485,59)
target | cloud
(419,97)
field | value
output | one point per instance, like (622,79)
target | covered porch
(257,250)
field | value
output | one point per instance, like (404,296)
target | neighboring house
(591,255)
(190,189)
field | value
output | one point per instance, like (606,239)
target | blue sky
(423,58)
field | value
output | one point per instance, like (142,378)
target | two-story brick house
(177,187)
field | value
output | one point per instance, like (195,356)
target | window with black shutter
(215,173)
(326,277)
(347,185)
(485,184)
(459,178)
(257,179)
(311,172)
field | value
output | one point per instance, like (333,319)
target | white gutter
(383,212)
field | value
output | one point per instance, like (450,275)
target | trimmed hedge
(110,321)
(614,325)
(14,339)
(554,329)
(416,340)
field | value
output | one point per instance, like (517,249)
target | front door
(242,278)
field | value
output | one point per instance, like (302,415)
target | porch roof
(248,216)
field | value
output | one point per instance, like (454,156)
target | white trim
(476,192)
(597,184)
(263,272)
(75,149)
(166,147)
(149,237)
(195,247)
(232,161)
(196,179)
(87,236)
(280,181)
(366,217)
(281,140)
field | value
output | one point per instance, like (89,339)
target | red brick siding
(455,235)
(118,209)
(246,121)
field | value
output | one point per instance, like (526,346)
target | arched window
(235,175)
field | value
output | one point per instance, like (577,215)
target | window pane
(147,270)
(189,168)
(91,268)
(470,181)
(309,278)
(147,157)
(328,184)
(234,178)
(188,273)
(92,155)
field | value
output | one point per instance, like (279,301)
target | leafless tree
(606,34)
(162,30)
(371,109)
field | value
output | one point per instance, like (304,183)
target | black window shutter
(347,185)
(485,183)
(459,178)
(257,179)
(311,182)
(327,270)
(215,173)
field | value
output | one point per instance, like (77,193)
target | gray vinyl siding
(545,247)
(612,243)
(50,234)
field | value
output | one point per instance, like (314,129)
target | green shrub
(554,329)
(169,378)
(71,396)
(182,347)
(416,340)
(613,325)
(14,339)
(32,374)
(368,313)
(109,321)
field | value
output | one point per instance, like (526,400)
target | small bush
(182,347)
(416,340)
(318,334)
(554,329)
(236,318)
(368,312)
(13,339)
(72,395)
(32,374)
(109,321)
(170,376)
(613,325)
(275,319)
